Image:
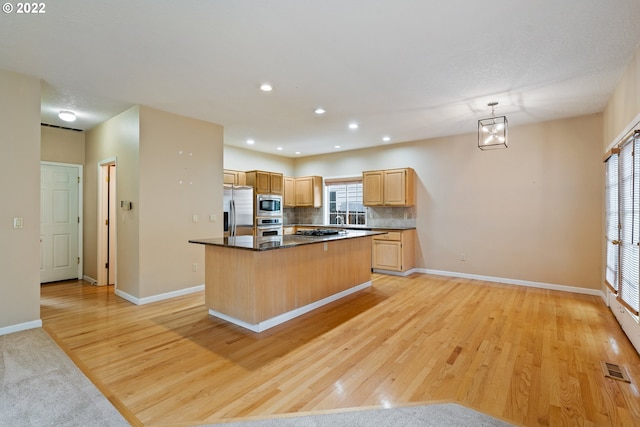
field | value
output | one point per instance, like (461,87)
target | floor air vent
(611,370)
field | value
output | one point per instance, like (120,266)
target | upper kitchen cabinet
(289,192)
(304,191)
(309,191)
(265,182)
(234,177)
(390,187)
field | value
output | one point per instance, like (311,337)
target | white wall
(180,176)
(62,145)
(20,189)
(117,138)
(244,160)
(170,168)
(531,212)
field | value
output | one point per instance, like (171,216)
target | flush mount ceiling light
(319,111)
(492,132)
(266,87)
(386,138)
(250,141)
(353,125)
(67,116)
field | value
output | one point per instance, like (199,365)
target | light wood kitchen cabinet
(372,188)
(303,191)
(265,182)
(234,177)
(289,192)
(390,187)
(394,251)
(308,191)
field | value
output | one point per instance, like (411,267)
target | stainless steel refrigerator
(238,210)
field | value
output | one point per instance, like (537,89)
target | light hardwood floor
(528,356)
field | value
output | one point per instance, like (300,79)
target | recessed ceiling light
(353,125)
(266,87)
(336,146)
(279,148)
(297,152)
(250,141)
(386,138)
(67,116)
(319,110)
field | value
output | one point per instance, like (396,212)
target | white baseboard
(540,285)
(396,273)
(21,327)
(89,279)
(159,297)
(274,321)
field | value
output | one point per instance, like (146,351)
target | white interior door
(59,223)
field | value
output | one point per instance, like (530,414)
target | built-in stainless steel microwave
(268,205)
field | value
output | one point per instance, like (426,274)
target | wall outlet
(213,217)
(194,267)
(18,222)
(326,246)
(463,257)
(194,218)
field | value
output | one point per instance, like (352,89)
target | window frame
(612,223)
(627,288)
(349,181)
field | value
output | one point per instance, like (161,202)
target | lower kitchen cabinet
(394,251)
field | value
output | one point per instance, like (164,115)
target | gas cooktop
(317,232)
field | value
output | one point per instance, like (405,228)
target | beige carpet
(40,386)
(437,415)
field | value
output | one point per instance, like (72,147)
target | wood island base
(261,289)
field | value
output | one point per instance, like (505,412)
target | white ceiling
(410,69)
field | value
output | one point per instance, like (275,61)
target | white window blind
(629,205)
(612,222)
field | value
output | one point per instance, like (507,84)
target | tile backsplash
(376,216)
(391,217)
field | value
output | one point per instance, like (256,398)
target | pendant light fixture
(492,132)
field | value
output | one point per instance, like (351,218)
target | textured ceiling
(407,69)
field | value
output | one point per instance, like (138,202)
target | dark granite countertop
(280,242)
(352,227)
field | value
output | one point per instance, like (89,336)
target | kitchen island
(261,282)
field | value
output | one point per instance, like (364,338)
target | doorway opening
(107,243)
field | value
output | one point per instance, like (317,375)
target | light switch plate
(18,222)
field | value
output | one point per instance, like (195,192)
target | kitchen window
(345,202)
